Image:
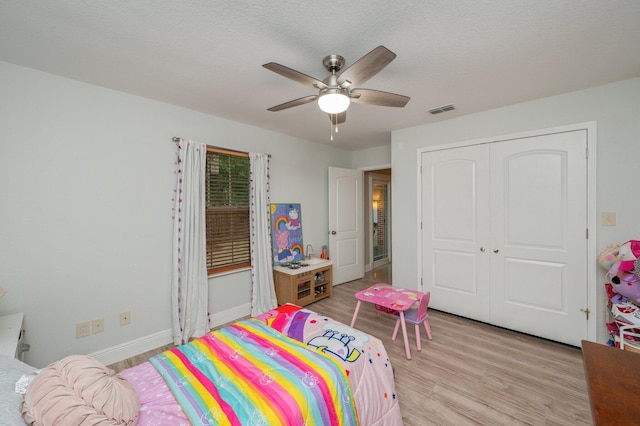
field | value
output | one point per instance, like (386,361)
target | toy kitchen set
(299,277)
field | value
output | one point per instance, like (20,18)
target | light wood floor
(470,373)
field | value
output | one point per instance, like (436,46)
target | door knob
(496,250)
(482,249)
(333,232)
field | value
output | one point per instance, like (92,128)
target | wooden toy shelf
(304,286)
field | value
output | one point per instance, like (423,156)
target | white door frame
(369,212)
(369,263)
(591,129)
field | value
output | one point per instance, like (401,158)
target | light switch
(608,219)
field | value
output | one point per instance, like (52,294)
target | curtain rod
(177,139)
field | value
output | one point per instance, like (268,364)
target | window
(227,210)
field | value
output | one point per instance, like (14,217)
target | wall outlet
(97,325)
(82,329)
(125,318)
(608,219)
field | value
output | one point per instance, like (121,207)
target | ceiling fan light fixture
(333,101)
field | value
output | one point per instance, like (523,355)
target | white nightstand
(11,335)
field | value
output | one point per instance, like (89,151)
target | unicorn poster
(286,233)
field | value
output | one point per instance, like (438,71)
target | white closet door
(538,223)
(504,233)
(455,208)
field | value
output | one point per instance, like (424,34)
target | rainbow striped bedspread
(248,373)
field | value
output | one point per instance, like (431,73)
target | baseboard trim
(134,347)
(153,341)
(233,314)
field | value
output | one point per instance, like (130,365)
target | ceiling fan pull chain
(331,131)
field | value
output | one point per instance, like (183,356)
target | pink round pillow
(79,390)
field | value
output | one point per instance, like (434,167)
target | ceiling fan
(338,89)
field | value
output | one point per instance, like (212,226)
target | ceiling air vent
(442,108)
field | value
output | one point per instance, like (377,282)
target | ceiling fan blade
(338,118)
(295,75)
(367,66)
(378,97)
(293,103)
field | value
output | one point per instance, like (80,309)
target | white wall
(86,179)
(365,158)
(616,109)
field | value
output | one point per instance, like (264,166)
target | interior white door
(539,243)
(504,233)
(346,224)
(455,230)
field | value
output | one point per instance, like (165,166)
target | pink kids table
(399,299)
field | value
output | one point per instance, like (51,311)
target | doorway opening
(379,217)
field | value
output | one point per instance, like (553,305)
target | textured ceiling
(207,55)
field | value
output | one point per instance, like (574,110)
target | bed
(11,370)
(287,366)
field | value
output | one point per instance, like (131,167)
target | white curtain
(263,295)
(189,281)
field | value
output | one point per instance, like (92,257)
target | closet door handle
(482,249)
(496,251)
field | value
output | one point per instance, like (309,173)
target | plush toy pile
(622,262)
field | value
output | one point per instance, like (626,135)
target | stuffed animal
(625,283)
(610,255)
(629,252)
